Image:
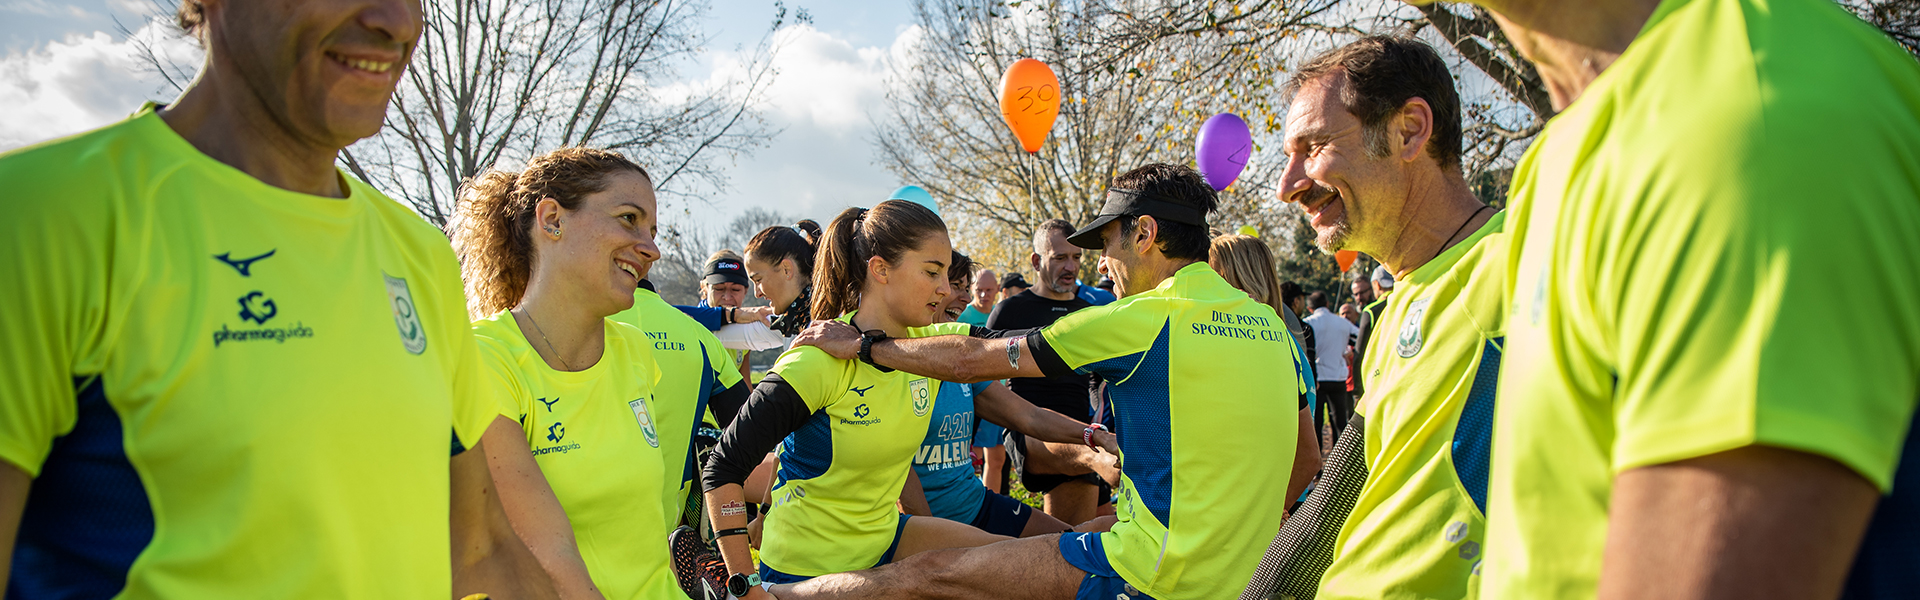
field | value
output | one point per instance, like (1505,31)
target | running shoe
(702,575)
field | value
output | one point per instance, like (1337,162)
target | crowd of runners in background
(228,369)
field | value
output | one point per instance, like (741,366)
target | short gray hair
(1046,229)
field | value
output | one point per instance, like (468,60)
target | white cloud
(131,7)
(823,159)
(826,81)
(79,83)
(823,78)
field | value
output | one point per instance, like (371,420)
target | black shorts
(1001,515)
(1041,483)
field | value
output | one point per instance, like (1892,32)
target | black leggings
(1334,408)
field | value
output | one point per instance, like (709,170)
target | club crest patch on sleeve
(645,419)
(1411,339)
(405,317)
(922,396)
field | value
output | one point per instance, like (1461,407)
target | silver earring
(554,231)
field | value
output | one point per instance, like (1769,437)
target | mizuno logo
(861,391)
(549,403)
(244,265)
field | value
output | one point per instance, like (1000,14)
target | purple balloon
(1224,147)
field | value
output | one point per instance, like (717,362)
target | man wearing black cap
(1013,284)
(1177,351)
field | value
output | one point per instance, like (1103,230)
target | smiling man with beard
(229,369)
(1373,143)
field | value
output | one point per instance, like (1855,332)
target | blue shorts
(1083,551)
(768,575)
(1000,515)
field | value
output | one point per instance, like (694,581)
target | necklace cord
(1449,243)
(543,338)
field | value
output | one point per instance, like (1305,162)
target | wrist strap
(727,532)
(1087,434)
(866,349)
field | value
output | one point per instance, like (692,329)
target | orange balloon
(1346,258)
(1030,100)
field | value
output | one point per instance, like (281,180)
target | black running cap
(727,270)
(1123,203)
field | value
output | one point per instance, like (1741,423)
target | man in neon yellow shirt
(1687,411)
(229,369)
(1373,143)
(1177,351)
(694,375)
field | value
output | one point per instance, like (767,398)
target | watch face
(737,585)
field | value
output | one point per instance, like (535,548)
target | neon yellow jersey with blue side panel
(841,473)
(693,367)
(1418,528)
(1202,384)
(597,436)
(225,389)
(1697,240)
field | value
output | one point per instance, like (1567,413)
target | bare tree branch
(1480,40)
(496,81)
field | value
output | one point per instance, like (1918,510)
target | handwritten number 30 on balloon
(1030,100)
(1047,94)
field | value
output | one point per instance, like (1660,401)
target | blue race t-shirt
(945,462)
(986,434)
(1094,295)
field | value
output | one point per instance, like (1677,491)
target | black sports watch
(739,584)
(866,348)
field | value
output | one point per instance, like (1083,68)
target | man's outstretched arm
(1753,522)
(955,358)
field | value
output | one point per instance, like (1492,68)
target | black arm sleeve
(998,334)
(773,411)
(728,402)
(1049,360)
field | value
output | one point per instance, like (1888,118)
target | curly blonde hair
(492,226)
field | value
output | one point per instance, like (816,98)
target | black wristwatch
(866,348)
(739,584)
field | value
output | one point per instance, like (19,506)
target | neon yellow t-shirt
(1419,526)
(596,435)
(840,474)
(693,367)
(1203,387)
(225,389)
(1716,247)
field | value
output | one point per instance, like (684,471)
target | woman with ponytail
(847,430)
(548,253)
(780,263)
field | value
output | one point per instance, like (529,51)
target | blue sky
(65,67)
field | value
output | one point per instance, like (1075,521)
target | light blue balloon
(914,194)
